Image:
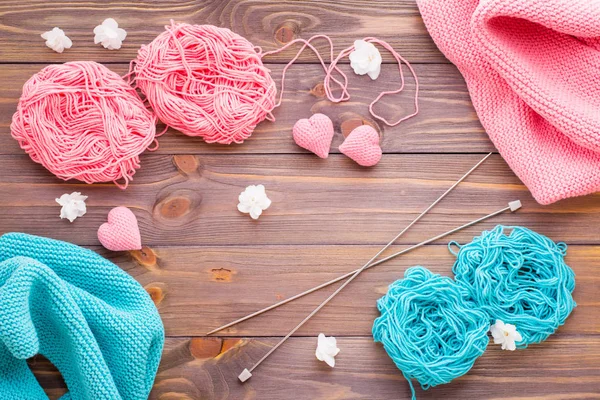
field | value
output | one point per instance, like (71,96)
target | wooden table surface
(205,264)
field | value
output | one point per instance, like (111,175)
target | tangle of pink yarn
(210,82)
(82,121)
(205,81)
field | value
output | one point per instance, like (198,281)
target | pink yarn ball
(206,81)
(82,121)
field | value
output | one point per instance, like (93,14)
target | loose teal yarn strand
(429,328)
(520,278)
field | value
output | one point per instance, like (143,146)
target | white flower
(327,349)
(73,205)
(505,334)
(57,40)
(109,34)
(254,200)
(365,59)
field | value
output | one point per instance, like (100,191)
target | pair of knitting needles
(246,374)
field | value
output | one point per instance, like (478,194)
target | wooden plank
(447,121)
(48,377)
(205,264)
(191,200)
(199,368)
(264,23)
(197,289)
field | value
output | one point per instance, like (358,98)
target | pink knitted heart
(362,145)
(314,134)
(121,232)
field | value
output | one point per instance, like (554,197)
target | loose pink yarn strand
(307,43)
(399,59)
(345,95)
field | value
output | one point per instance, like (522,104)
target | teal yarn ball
(520,278)
(429,328)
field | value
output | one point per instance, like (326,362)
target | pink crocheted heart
(121,232)
(314,134)
(362,145)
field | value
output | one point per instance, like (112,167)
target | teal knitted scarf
(94,322)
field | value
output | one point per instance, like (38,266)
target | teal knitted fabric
(93,321)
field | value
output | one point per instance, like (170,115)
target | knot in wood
(287,31)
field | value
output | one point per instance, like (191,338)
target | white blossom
(109,34)
(327,349)
(365,59)
(505,334)
(73,205)
(254,201)
(57,40)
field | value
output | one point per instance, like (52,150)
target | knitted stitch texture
(94,322)
(362,146)
(121,232)
(314,134)
(533,72)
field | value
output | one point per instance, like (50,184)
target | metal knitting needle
(247,373)
(370,261)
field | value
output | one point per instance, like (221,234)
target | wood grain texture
(446,123)
(565,367)
(184,201)
(197,289)
(264,23)
(206,264)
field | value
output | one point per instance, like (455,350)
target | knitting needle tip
(245,375)
(514,205)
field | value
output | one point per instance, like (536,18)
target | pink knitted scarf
(533,72)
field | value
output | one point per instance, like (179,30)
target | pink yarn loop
(332,67)
(205,81)
(399,59)
(326,69)
(82,121)
(210,82)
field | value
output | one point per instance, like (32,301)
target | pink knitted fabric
(121,232)
(533,72)
(314,134)
(362,145)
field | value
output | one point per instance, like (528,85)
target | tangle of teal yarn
(429,328)
(521,279)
